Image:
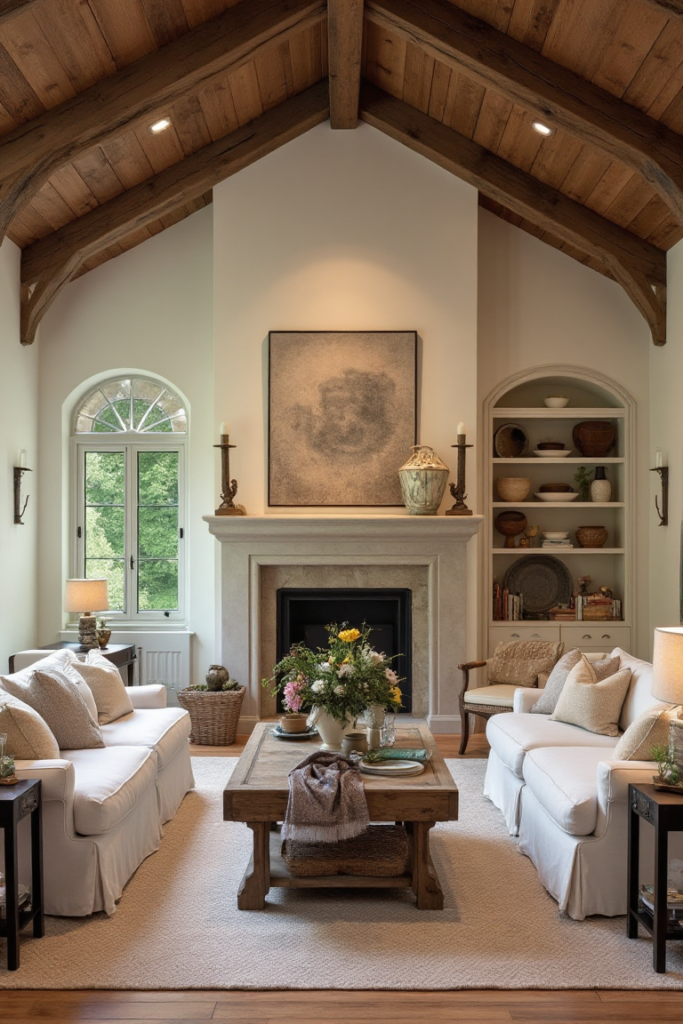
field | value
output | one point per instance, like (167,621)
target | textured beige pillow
(103,678)
(59,702)
(547,702)
(590,703)
(28,736)
(650,728)
(520,661)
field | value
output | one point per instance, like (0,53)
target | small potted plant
(214,708)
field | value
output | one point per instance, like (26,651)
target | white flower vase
(374,719)
(330,730)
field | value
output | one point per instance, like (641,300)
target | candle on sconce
(225,429)
(462,429)
(22,458)
(658,458)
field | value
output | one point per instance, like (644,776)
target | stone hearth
(259,554)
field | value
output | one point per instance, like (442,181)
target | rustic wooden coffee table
(257,794)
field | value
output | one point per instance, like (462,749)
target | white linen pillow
(59,702)
(104,680)
(29,737)
(63,660)
(649,729)
(591,703)
(547,702)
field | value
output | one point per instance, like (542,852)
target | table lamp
(667,681)
(92,595)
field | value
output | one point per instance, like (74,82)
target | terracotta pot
(591,536)
(513,488)
(510,524)
(294,723)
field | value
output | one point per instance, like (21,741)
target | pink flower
(292,694)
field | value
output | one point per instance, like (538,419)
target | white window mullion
(131,531)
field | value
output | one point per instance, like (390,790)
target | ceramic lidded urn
(423,481)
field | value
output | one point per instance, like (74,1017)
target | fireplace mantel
(438,543)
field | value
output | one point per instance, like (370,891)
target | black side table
(121,655)
(15,803)
(665,811)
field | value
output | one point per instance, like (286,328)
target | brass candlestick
(228,487)
(458,490)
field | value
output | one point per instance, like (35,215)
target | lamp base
(87,632)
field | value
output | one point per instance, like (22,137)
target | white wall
(18,429)
(537,306)
(666,432)
(149,310)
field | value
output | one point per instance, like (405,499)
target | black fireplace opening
(303,613)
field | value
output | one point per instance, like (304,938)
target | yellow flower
(396,694)
(347,635)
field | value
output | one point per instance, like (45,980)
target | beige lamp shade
(86,596)
(667,664)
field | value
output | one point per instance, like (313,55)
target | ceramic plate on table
(556,495)
(397,768)
(282,735)
(557,453)
(544,581)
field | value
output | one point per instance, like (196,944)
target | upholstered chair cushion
(59,702)
(591,703)
(520,661)
(547,702)
(649,729)
(29,737)
(104,679)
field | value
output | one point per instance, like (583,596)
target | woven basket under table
(381,850)
(214,715)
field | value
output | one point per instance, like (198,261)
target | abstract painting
(342,416)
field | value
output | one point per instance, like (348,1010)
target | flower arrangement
(343,679)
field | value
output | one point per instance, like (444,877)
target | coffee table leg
(256,882)
(426,885)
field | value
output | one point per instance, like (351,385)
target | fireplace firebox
(303,613)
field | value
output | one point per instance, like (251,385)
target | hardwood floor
(341,1007)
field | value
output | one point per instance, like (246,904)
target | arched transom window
(129,436)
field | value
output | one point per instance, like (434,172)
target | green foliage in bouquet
(344,678)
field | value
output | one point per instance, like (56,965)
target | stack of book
(558,545)
(560,614)
(596,608)
(507,607)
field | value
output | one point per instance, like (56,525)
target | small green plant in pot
(669,773)
(214,707)
(582,479)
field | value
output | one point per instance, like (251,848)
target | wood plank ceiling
(82,179)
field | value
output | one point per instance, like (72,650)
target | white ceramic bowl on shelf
(555,535)
(556,401)
(553,453)
(557,495)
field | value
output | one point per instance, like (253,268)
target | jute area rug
(177,925)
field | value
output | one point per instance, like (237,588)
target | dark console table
(15,803)
(121,655)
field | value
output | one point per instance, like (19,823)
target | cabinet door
(522,631)
(596,636)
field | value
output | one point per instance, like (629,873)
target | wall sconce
(663,471)
(18,472)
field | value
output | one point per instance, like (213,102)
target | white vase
(330,730)
(601,488)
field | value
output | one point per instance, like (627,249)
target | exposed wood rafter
(51,262)
(8,8)
(141,91)
(345,45)
(668,6)
(561,97)
(637,265)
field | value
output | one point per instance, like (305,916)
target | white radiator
(161,666)
(162,655)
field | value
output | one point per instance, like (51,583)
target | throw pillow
(28,737)
(59,702)
(104,680)
(650,728)
(520,661)
(592,704)
(547,702)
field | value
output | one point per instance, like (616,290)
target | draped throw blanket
(326,800)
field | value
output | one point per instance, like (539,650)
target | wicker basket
(380,851)
(214,715)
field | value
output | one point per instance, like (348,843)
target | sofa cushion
(108,785)
(650,728)
(511,736)
(163,730)
(59,702)
(520,661)
(591,703)
(564,781)
(558,677)
(639,696)
(496,694)
(29,737)
(65,661)
(105,681)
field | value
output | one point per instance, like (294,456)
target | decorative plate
(510,441)
(282,735)
(392,768)
(543,580)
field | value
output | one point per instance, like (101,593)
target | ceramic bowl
(550,488)
(556,401)
(552,453)
(591,536)
(513,488)
(554,446)
(555,535)
(294,723)
(557,495)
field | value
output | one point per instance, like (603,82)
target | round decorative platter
(282,735)
(398,768)
(544,581)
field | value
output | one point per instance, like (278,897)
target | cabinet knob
(587,636)
(515,635)
(535,636)
(606,636)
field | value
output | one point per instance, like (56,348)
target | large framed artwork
(342,416)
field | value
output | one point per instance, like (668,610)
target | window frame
(130,442)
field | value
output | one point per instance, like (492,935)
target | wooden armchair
(485,701)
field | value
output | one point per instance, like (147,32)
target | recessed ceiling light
(541,128)
(160,126)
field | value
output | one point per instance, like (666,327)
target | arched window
(129,436)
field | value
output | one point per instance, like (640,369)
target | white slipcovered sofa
(566,798)
(103,808)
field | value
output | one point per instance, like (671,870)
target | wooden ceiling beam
(47,265)
(142,91)
(668,6)
(345,46)
(637,265)
(8,8)
(556,95)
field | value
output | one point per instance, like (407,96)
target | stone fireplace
(427,555)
